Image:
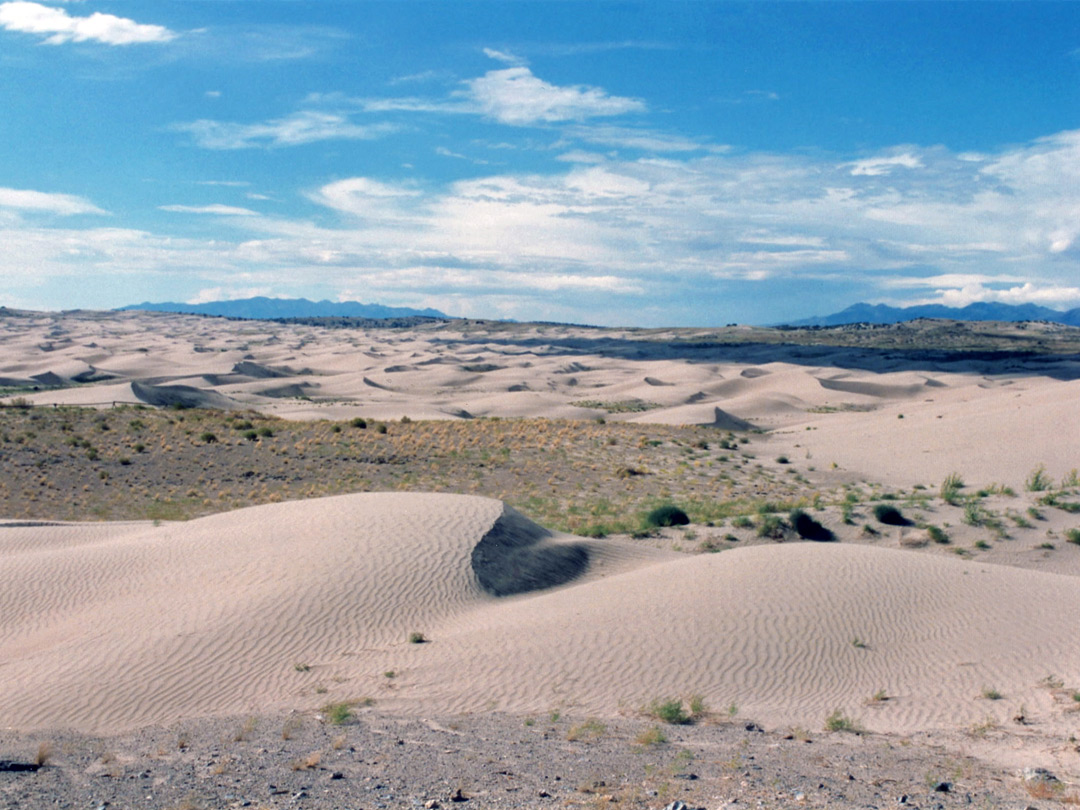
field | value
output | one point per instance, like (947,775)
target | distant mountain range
(272,308)
(882,314)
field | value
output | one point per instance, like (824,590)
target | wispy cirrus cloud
(28,200)
(306,126)
(216,208)
(58,27)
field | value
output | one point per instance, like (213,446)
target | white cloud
(217,208)
(65,204)
(884,165)
(515,96)
(306,126)
(503,56)
(209,295)
(58,27)
(641,139)
(581,156)
(1001,228)
(1027,293)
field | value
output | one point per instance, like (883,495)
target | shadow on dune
(513,557)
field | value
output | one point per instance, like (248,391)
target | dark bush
(667,515)
(808,528)
(890,515)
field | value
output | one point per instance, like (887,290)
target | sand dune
(109,626)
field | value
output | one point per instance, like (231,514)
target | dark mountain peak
(262,308)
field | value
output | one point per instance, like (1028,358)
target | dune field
(417,604)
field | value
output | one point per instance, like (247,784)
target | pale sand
(112,626)
(992,421)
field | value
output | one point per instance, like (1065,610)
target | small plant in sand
(698,708)
(880,696)
(859,644)
(1073,536)
(838,721)
(937,534)
(44,754)
(989,693)
(584,732)
(416,637)
(651,736)
(207,437)
(771,526)
(950,488)
(1038,480)
(337,713)
(669,711)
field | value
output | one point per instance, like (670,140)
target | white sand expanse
(106,627)
(990,421)
(110,626)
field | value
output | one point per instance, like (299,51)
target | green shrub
(207,437)
(838,721)
(667,515)
(670,711)
(359,422)
(937,534)
(338,713)
(771,526)
(1038,480)
(950,488)
(1073,536)
(416,637)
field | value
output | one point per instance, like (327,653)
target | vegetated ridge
(981,311)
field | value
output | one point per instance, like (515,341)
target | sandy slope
(111,626)
(991,421)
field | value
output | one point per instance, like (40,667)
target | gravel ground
(495,761)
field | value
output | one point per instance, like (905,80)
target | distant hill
(273,308)
(882,314)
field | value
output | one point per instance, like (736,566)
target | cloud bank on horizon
(694,164)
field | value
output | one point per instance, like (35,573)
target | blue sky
(661,163)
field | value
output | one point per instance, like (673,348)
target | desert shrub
(251,435)
(771,526)
(890,515)
(950,488)
(1038,480)
(651,736)
(1073,536)
(338,713)
(670,711)
(937,534)
(416,637)
(838,721)
(667,515)
(359,422)
(266,432)
(808,528)
(207,437)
